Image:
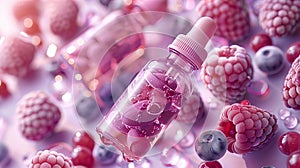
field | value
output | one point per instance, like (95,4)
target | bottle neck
(175,58)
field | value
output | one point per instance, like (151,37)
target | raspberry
(48,158)
(279,18)
(63,17)
(227,73)
(291,86)
(232,17)
(247,127)
(37,115)
(16,56)
(191,109)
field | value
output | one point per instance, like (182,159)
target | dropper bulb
(202,30)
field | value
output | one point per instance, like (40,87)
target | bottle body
(95,54)
(146,108)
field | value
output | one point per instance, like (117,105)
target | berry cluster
(37,115)
(227,73)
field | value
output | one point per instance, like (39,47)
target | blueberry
(87,107)
(211,145)
(103,155)
(104,93)
(269,59)
(4,155)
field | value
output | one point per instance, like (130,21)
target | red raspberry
(191,109)
(279,18)
(16,55)
(246,127)
(232,17)
(227,73)
(37,115)
(291,86)
(63,17)
(48,158)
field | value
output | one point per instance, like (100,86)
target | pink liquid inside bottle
(154,98)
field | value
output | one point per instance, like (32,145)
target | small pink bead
(290,122)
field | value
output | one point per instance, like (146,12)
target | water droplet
(258,88)
(290,122)
(170,157)
(188,140)
(283,113)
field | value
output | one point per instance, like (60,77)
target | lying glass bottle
(153,99)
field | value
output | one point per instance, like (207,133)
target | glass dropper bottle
(154,98)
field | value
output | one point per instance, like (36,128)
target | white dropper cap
(191,46)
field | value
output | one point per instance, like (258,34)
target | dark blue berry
(87,107)
(103,155)
(269,59)
(4,155)
(211,145)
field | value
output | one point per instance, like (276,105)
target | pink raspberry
(192,108)
(227,73)
(50,159)
(232,17)
(247,127)
(291,86)
(16,55)
(279,18)
(37,115)
(63,17)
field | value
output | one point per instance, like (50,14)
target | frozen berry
(227,72)
(37,115)
(269,59)
(211,145)
(82,156)
(247,127)
(50,159)
(290,92)
(293,160)
(236,27)
(16,55)
(63,17)
(279,18)
(82,138)
(293,52)
(103,155)
(260,40)
(213,164)
(289,142)
(191,109)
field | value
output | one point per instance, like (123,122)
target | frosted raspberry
(227,73)
(63,17)
(278,17)
(192,108)
(50,159)
(37,115)
(232,17)
(246,127)
(16,55)
(291,86)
